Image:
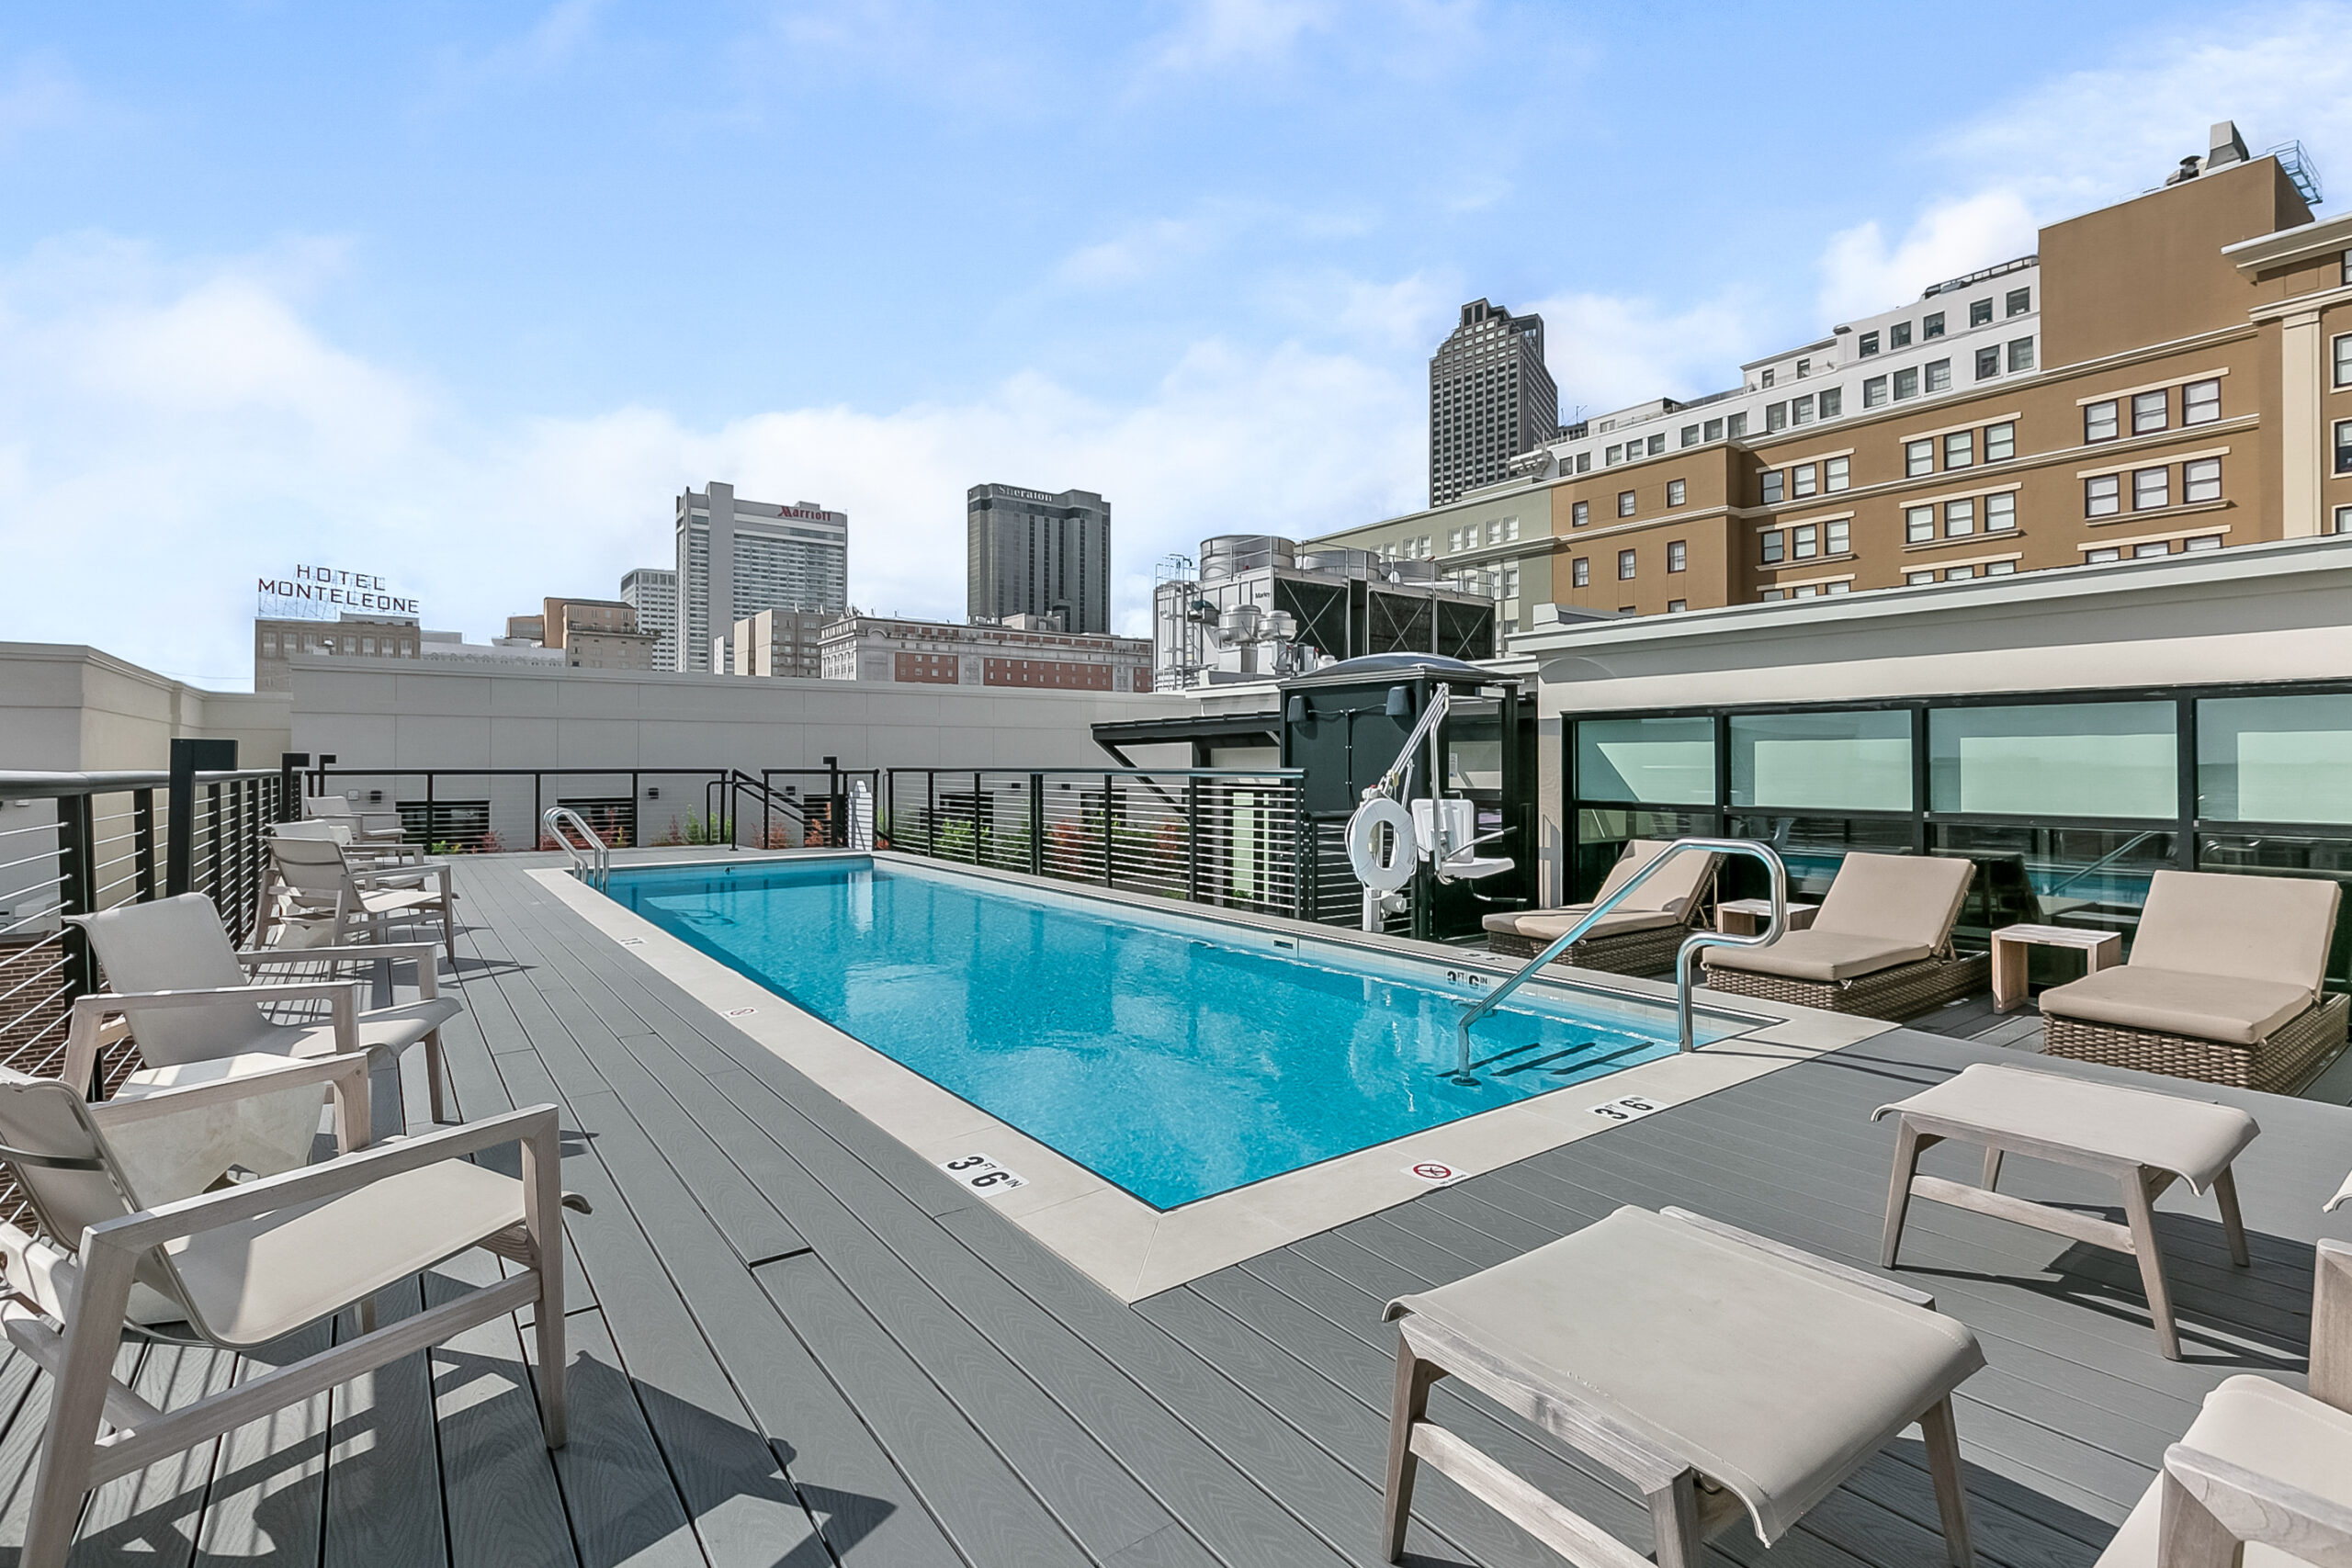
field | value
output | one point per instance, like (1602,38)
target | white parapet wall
(68,708)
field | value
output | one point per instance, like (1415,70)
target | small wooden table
(2009,953)
(1745,917)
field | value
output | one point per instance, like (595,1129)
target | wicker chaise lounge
(1881,947)
(1640,936)
(2222,985)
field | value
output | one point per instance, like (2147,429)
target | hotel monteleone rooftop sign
(323,592)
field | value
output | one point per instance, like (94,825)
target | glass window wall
(1660,761)
(1822,762)
(2098,759)
(2284,758)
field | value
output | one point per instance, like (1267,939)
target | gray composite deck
(795,1344)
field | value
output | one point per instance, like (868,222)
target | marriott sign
(318,590)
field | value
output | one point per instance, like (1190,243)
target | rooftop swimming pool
(1173,1055)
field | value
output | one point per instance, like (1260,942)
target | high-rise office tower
(737,558)
(1034,553)
(1490,399)
(652,593)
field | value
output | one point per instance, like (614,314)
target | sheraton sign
(326,591)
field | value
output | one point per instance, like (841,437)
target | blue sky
(464,294)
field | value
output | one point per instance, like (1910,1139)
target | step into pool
(1174,1054)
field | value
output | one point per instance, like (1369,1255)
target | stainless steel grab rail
(598,863)
(1692,944)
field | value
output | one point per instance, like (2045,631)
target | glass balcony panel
(2055,760)
(2093,877)
(1602,834)
(2285,759)
(1813,848)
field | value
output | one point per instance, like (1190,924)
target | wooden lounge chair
(2143,1140)
(1719,1372)
(2263,1476)
(247,1264)
(192,999)
(323,888)
(1880,947)
(2224,984)
(1640,936)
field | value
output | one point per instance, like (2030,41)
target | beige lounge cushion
(1670,1349)
(252,1280)
(1909,900)
(2274,929)
(1819,956)
(2268,1428)
(2203,1006)
(2193,1138)
(1672,896)
(1550,925)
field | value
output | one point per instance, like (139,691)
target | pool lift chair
(1440,829)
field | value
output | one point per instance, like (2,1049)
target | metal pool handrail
(598,863)
(1690,946)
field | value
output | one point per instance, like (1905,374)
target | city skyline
(230,352)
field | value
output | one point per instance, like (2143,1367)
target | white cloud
(1609,351)
(171,435)
(1225,32)
(1136,254)
(37,95)
(1863,273)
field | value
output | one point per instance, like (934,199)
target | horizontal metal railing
(1234,839)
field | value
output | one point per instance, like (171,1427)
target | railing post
(1307,879)
(213,835)
(1193,839)
(1037,824)
(929,812)
(429,823)
(289,788)
(78,887)
(1109,866)
(143,842)
(187,758)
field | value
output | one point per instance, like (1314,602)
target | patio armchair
(324,889)
(191,999)
(247,1264)
(367,827)
(2224,984)
(396,864)
(1640,936)
(1879,947)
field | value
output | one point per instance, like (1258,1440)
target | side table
(2009,952)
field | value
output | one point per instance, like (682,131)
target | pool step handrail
(592,859)
(1691,945)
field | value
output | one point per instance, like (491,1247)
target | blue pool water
(1174,1056)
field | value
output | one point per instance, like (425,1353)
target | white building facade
(736,558)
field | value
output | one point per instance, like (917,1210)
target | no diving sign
(1437,1173)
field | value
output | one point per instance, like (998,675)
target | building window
(2000,568)
(1869,345)
(1932,326)
(1776,416)
(1772,596)
(1837,535)
(1801,409)
(1959,449)
(2344,445)
(1677,555)
(2148,411)
(1690,435)
(2202,542)
(1918,458)
(2151,488)
(1939,375)
(1988,363)
(2201,481)
(1676,607)
(1773,543)
(2098,421)
(2344,513)
(1835,474)
(2101,558)
(1899,336)
(1806,480)
(1959,573)
(2021,302)
(1495,531)
(1676,490)
(1915,578)
(1624,565)
(1906,384)
(1584,462)
(1737,426)
(2344,355)
(1580,572)
(1656,445)
(1980,312)
(1511,530)
(1874,391)
(1960,519)
(1767,376)
(1804,368)
(2200,403)
(1772,482)
(1804,542)
(1624,503)
(2000,443)
(1453,539)
(2149,552)
(2021,354)
(1579,515)
(1715,429)
(2103,496)
(1833,402)
(1918,525)
(1614,456)
(2001,513)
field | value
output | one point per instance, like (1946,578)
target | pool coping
(1124,1245)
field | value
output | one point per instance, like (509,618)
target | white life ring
(1363,845)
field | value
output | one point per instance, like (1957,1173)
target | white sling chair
(249,1263)
(323,887)
(191,1001)
(367,827)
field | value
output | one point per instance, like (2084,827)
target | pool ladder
(592,859)
(1692,944)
